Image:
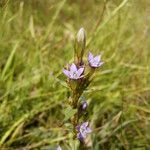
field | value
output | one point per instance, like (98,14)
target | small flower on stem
(94,62)
(74,72)
(83,130)
(84,105)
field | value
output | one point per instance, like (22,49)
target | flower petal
(73,68)
(80,137)
(90,56)
(97,58)
(100,64)
(88,130)
(93,64)
(83,134)
(78,127)
(80,77)
(84,125)
(66,72)
(84,105)
(80,71)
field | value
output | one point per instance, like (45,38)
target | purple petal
(66,72)
(80,71)
(93,64)
(84,105)
(90,56)
(84,125)
(73,68)
(80,137)
(101,63)
(97,58)
(74,75)
(81,77)
(78,127)
(88,130)
(83,134)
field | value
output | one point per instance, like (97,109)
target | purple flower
(74,72)
(83,130)
(84,105)
(59,148)
(94,61)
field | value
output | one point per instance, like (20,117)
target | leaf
(31,27)
(69,112)
(9,61)
(74,144)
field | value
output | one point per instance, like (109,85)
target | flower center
(82,129)
(94,62)
(75,74)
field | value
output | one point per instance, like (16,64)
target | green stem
(82,146)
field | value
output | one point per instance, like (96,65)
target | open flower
(83,130)
(74,72)
(94,61)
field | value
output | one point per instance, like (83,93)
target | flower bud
(81,36)
(80,46)
(84,105)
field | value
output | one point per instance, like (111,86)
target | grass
(36,42)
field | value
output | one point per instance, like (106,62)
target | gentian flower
(74,72)
(94,62)
(84,105)
(83,130)
(59,148)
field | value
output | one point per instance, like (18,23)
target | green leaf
(74,144)
(69,112)
(9,61)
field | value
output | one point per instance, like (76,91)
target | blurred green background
(36,42)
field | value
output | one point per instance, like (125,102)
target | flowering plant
(79,76)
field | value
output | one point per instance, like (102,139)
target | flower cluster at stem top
(76,73)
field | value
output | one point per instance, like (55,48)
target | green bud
(81,36)
(80,46)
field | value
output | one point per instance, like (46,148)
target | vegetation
(36,42)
